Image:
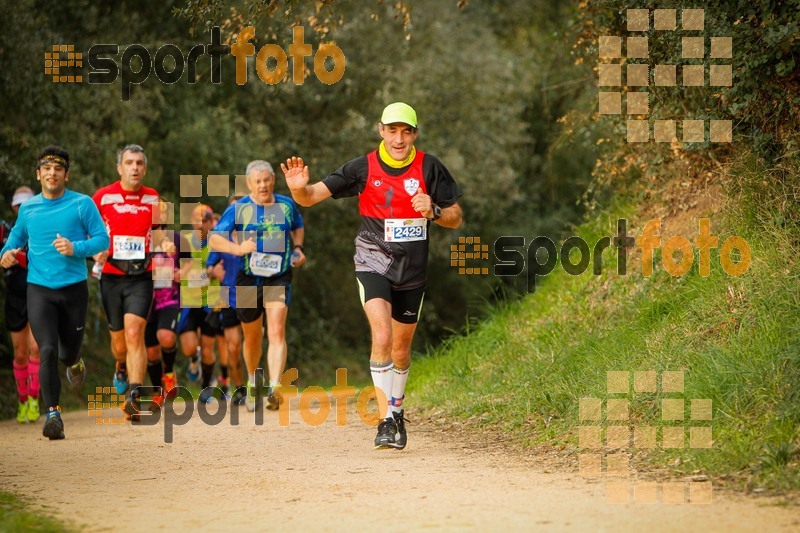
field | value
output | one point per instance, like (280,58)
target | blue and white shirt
(270,226)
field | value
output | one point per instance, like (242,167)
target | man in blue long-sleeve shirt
(61,228)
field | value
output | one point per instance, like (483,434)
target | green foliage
(764,100)
(737,339)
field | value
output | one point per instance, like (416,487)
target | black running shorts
(166,318)
(125,294)
(406,303)
(194,318)
(229,318)
(254,293)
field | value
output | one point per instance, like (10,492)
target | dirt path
(106,478)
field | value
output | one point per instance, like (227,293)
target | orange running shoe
(157,403)
(168,383)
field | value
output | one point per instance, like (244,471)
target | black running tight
(57,318)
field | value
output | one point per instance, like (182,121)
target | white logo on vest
(411,186)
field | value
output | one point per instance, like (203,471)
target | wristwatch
(437,212)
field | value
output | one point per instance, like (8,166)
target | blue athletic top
(73,216)
(269,225)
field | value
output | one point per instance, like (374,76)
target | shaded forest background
(489,82)
(506,92)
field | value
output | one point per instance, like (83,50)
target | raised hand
(296,173)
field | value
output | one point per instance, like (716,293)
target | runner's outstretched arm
(297,180)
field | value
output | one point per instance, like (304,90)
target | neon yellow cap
(399,112)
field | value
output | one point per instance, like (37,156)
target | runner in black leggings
(61,228)
(57,316)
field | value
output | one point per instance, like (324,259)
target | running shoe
(239,396)
(206,395)
(168,383)
(22,412)
(223,384)
(250,400)
(132,408)
(387,430)
(76,373)
(274,399)
(194,370)
(121,380)
(32,411)
(401,438)
(53,425)
(157,403)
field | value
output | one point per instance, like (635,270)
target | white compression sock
(399,388)
(382,378)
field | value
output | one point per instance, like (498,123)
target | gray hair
(258,165)
(134,148)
